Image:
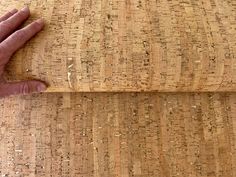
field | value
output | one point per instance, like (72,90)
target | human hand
(11,39)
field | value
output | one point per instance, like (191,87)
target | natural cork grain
(118,135)
(130,45)
(124,46)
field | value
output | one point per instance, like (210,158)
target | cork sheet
(124,45)
(125,134)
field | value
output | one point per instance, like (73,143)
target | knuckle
(20,34)
(10,13)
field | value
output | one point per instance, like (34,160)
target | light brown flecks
(134,46)
(69,79)
(70,135)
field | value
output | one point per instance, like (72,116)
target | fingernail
(41,88)
(25,9)
(14,11)
(40,21)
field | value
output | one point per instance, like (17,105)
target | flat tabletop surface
(138,45)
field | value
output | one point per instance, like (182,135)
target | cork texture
(118,135)
(130,45)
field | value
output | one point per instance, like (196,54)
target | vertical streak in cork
(74,44)
(96,137)
(232,113)
(209,126)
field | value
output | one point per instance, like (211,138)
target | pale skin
(11,39)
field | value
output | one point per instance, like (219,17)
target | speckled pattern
(122,46)
(118,135)
(131,45)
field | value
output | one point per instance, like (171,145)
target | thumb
(23,87)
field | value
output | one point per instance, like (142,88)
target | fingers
(8,14)
(9,45)
(9,25)
(19,88)
(19,38)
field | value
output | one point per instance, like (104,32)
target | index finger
(8,14)
(20,37)
(9,25)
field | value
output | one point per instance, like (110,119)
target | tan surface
(108,135)
(124,45)
(131,45)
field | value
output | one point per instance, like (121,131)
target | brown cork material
(124,46)
(130,45)
(118,135)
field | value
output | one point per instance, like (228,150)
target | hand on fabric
(11,39)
